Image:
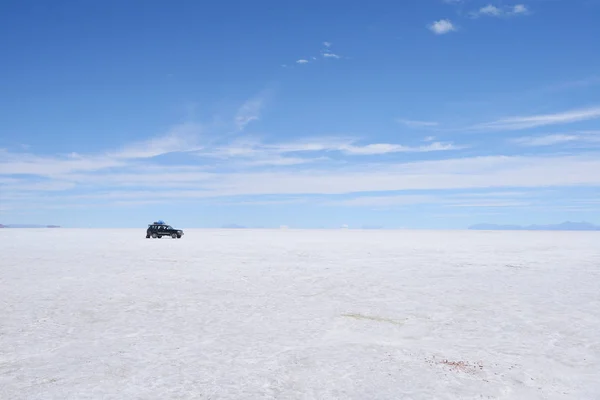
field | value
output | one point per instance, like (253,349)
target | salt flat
(270,314)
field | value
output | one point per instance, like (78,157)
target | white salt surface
(109,314)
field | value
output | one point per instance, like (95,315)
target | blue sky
(415,114)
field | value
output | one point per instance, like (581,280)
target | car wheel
(154,235)
(174,235)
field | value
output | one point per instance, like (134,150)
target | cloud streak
(386,148)
(534,121)
(418,124)
(180,138)
(263,152)
(584,137)
(454,173)
(322,166)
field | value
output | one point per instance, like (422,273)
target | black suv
(160,229)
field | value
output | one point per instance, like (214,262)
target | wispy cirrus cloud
(42,165)
(242,166)
(315,150)
(473,172)
(181,138)
(455,173)
(417,124)
(249,111)
(385,148)
(534,121)
(584,137)
(442,27)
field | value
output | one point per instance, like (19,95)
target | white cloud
(476,172)
(554,139)
(442,27)
(30,164)
(534,121)
(297,167)
(280,161)
(490,10)
(491,204)
(260,151)
(325,53)
(43,186)
(182,138)
(385,148)
(547,140)
(459,173)
(520,9)
(417,124)
(315,144)
(145,176)
(493,11)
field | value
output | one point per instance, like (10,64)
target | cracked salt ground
(299,315)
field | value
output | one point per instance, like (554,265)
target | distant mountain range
(28,226)
(565,226)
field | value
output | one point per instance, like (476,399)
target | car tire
(154,235)
(174,235)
